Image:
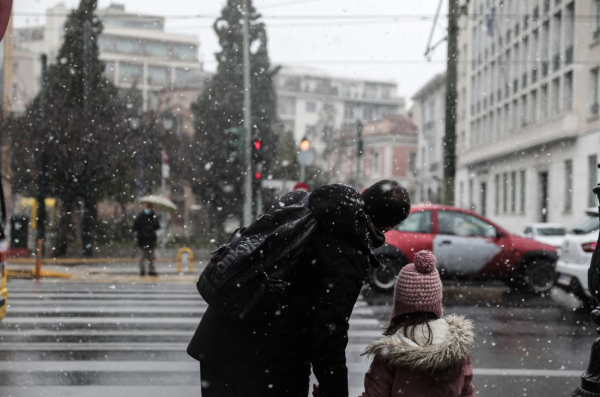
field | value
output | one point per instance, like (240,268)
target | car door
(464,244)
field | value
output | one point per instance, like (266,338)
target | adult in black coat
(145,226)
(275,358)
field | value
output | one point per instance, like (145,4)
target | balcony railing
(569,55)
(545,68)
(556,62)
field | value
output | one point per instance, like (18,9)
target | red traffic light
(257,175)
(257,144)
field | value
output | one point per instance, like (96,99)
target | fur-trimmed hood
(445,353)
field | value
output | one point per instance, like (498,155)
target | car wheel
(383,278)
(538,276)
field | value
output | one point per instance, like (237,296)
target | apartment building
(134,47)
(431,100)
(313,104)
(528,123)
(389,152)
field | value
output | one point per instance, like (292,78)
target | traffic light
(235,142)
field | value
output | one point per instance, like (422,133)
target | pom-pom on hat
(418,287)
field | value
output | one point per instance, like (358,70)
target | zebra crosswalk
(79,339)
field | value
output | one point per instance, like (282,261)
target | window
(465,225)
(157,49)
(505,193)
(349,110)
(523,191)
(513,192)
(568,185)
(594,83)
(158,75)
(130,72)
(544,102)
(593,180)
(596,11)
(412,162)
(109,71)
(528,231)
(461,194)
(129,46)
(555,98)
(471,203)
(185,52)
(417,222)
(497,194)
(286,106)
(568,91)
(533,107)
(311,107)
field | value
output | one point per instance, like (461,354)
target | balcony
(569,55)
(534,75)
(545,68)
(555,62)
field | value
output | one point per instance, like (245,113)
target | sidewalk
(106,269)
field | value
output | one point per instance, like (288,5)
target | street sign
(302,186)
(306,157)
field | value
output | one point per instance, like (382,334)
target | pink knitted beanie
(418,287)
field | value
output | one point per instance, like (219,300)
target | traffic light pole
(451,80)
(247,122)
(41,199)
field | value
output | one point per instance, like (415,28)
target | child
(422,353)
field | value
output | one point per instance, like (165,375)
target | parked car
(466,245)
(576,255)
(548,233)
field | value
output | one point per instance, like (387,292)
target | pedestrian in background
(311,328)
(145,226)
(422,352)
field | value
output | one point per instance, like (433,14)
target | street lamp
(590,380)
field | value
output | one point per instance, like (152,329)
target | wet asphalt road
(107,339)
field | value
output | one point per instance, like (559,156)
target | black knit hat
(387,203)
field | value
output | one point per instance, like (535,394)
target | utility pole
(451,80)
(247,121)
(41,198)
(88,210)
(359,150)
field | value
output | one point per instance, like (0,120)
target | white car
(576,255)
(548,233)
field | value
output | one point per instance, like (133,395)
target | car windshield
(551,231)
(587,224)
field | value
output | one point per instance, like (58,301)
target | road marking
(192,366)
(117,346)
(103,391)
(135,320)
(149,295)
(87,303)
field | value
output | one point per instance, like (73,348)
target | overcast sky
(370,48)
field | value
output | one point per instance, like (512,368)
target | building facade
(389,152)
(135,48)
(314,105)
(431,100)
(528,146)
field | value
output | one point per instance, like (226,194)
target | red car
(467,246)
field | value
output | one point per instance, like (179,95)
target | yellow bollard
(38,259)
(190,258)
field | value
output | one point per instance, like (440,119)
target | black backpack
(246,277)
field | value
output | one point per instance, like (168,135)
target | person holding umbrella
(145,226)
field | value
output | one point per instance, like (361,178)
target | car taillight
(589,247)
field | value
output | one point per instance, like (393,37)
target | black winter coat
(274,359)
(145,226)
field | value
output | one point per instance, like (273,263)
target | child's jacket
(443,369)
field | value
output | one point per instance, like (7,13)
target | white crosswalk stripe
(101,339)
